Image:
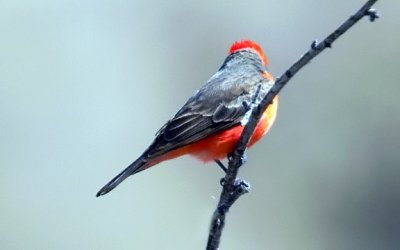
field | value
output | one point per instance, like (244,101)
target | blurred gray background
(84,86)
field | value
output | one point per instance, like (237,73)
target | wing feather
(220,104)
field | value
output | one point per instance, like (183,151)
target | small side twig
(233,187)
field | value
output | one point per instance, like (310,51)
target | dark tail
(134,168)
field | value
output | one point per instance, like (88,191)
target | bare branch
(233,187)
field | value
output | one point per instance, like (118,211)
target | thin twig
(233,187)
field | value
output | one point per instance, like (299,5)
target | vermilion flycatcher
(210,123)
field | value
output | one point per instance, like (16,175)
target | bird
(210,123)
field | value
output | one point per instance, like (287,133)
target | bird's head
(249,45)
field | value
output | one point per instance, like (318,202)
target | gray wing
(220,104)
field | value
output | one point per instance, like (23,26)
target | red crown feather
(249,45)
